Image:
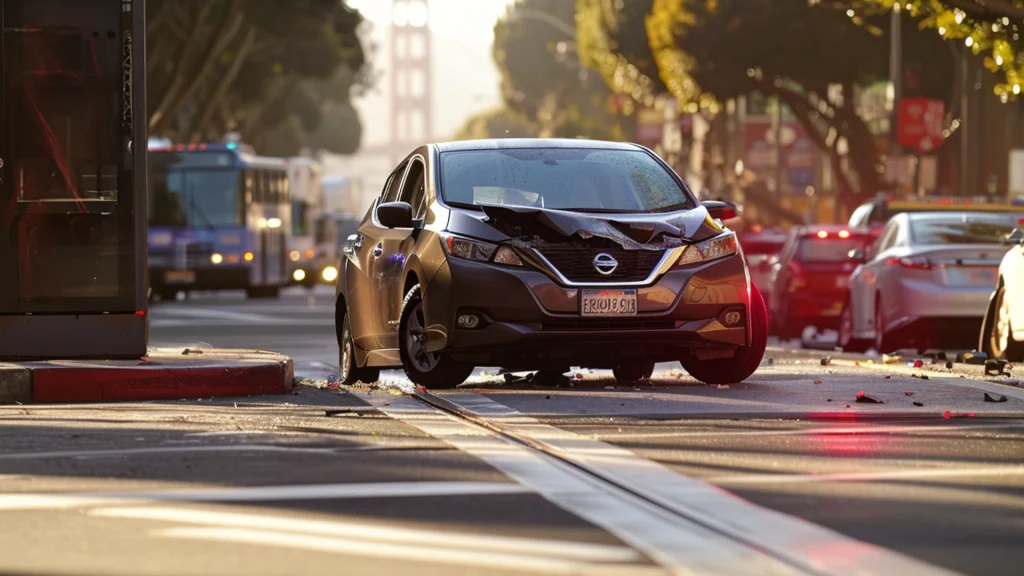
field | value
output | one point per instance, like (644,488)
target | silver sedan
(926,283)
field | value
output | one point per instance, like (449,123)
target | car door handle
(378,250)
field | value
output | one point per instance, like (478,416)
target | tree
(542,78)
(987,27)
(707,51)
(250,66)
(497,123)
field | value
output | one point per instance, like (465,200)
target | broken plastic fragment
(908,393)
(865,399)
(420,389)
(887,377)
(918,364)
(826,360)
(918,403)
(817,381)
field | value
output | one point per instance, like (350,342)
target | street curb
(162,375)
(15,384)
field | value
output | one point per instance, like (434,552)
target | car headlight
(478,251)
(714,249)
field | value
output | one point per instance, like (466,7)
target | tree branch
(219,41)
(213,103)
(988,9)
(157,118)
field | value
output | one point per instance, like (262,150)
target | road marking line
(870,476)
(803,543)
(375,533)
(261,494)
(493,560)
(679,545)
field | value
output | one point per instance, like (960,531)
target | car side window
(390,193)
(415,192)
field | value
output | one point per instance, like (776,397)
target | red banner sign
(919,123)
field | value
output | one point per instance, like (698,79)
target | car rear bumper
(530,320)
(917,299)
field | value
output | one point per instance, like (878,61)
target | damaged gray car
(544,255)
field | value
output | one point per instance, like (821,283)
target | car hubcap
(346,356)
(416,342)
(1002,326)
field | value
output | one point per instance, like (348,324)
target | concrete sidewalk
(164,374)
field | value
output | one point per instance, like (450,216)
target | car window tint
(414,191)
(392,188)
(960,230)
(613,181)
(828,249)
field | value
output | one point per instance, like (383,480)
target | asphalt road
(785,474)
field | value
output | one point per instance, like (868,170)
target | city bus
(304,183)
(219,219)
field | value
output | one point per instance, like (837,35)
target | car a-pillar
(73,179)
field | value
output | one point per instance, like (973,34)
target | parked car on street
(1002,332)
(927,283)
(810,278)
(875,214)
(761,249)
(544,254)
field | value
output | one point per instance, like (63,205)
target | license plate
(608,303)
(180,276)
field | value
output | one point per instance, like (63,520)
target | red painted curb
(159,382)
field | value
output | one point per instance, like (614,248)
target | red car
(810,280)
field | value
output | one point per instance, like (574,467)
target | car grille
(577,263)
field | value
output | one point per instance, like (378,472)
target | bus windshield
(194,197)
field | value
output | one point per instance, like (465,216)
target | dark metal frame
(108,333)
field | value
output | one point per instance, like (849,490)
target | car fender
(430,265)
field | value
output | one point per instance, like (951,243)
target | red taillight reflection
(140,312)
(909,263)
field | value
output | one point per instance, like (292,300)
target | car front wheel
(747,359)
(429,369)
(1001,340)
(348,371)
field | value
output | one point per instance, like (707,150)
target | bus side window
(285,189)
(250,187)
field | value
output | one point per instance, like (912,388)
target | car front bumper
(531,320)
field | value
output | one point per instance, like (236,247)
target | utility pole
(966,120)
(777,152)
(895,74)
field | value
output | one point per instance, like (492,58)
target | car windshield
(586,180)
(961,229)
(828,249)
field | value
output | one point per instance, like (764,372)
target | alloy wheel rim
(346,352)
(416,342)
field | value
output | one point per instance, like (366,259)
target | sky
(465,78)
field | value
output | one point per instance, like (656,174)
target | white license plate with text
(608,302)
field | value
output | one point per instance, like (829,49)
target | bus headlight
(248,256)
(330,274)
(295,256)
(216,258)
(299,275)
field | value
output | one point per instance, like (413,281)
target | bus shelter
(73,179)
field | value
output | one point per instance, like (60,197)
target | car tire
(747,359)
(348,371)
(428,369)
(634,372)
(1000,340)
(846,340)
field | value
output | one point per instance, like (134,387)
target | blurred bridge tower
(411,88)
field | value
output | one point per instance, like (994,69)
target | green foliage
(258,67)
(707,51)
(497,123)
(990,29)
(542,78)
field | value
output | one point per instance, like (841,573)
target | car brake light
(844,233)
(909,263)
(822,234)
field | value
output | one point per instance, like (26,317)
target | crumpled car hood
(538,225)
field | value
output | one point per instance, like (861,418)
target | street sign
(919,124)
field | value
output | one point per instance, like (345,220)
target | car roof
(951,215)
(536,143)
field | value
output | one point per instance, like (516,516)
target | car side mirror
(719,210)
(1015,238)
(858,255)
(395,215)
